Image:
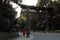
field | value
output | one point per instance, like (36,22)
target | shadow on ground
(8,35)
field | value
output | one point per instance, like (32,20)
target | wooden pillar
(46,21)
(28,18)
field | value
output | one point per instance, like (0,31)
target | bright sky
(26,2)
(54,0)
(29,2)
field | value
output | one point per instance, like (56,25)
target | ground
(46,36)
(39,36)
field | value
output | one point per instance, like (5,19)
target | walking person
(28,32)
(24,31)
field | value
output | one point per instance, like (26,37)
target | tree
(7,15)
(54,15)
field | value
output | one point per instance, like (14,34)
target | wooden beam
(34,7)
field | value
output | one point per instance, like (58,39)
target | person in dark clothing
(28,32)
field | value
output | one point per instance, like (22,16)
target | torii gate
(35,8)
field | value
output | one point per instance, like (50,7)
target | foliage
(55,18)
(38,2)
(54,15)
(7,16)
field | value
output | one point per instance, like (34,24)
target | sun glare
(54,0)
(25,2)
(30,2)
(18,9)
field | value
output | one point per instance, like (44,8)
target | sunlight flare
(25,2)
(30,2)
(18,9)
